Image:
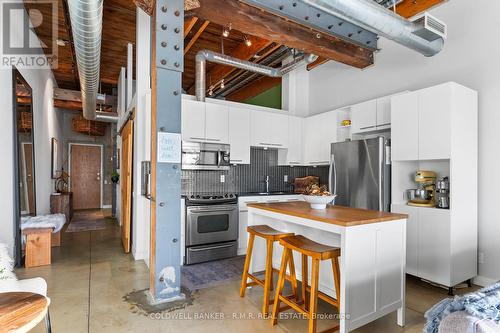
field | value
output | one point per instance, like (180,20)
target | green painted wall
(270,98)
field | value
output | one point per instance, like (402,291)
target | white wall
(142,138)
(47,124)
(470,58)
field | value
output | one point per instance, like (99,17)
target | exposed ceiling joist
(253,89)
(242,51)
(268,26)
(196,36)
(189,24)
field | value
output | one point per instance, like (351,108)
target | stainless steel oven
(211,228)
(205,156)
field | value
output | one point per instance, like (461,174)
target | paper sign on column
(169,148)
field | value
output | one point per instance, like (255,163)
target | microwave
(205,156)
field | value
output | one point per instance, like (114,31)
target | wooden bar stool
(317,252)
(270,235)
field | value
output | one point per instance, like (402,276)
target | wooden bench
(38,247)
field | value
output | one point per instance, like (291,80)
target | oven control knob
(231,195)
(192,197)
(197,197)
(226,195)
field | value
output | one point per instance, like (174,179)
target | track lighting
(211,91)
(222,85)
(226,30)
(248,42)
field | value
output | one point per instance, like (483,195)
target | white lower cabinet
(243,214)
(428,243)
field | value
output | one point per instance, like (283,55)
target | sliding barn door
(126,183)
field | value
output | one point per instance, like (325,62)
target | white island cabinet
(373,255)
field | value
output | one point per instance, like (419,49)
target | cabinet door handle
(386,124)
(294,163)
(271,144)
(195,138)
(321,162)
(366,127)
(214,140)
(236,160)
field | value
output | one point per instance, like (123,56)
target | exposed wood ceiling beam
(72,105)
(191,4)
(268,26)
(243,52)
(254,88)
(409,8)
(189,24)
(406,8)
(76,96)
(316,63)
(196,36)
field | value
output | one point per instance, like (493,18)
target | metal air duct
(86,24)
(206,55)
(375,18)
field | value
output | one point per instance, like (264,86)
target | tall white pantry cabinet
(437,129)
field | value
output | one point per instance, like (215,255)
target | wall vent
(430,27)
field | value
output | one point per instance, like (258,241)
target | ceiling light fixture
(226,30)
(222,85)
(248,42)
(61,42)
(211,91)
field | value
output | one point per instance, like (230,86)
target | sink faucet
(267,184)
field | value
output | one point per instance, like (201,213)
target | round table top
(21,311)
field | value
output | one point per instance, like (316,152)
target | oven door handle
(198,209)
(211,247)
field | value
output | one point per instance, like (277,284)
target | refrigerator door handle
(381,160)
(332,172)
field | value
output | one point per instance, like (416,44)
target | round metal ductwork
(86,24)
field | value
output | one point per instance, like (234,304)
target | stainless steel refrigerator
(360,173)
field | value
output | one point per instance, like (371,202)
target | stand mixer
(425,193)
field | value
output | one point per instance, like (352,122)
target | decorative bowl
(319,201)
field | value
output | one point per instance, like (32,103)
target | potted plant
(115,177)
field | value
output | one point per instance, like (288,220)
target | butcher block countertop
(339,215)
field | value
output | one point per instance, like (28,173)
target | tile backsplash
(249,178)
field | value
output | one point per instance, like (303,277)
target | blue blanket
(484,304)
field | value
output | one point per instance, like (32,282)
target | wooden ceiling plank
(196,36)
(255,22)
(253,89)
(189,24)
(410,8)
(67,24)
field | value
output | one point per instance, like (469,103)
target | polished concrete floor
(90,275)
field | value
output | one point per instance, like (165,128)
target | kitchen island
(373,255)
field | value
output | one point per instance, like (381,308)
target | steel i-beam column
(166,74)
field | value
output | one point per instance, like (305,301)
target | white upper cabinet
(405,127)
(319,132)
(293,155)
(269,129)
(434,122)
(239,135)
(193,120)
(364,117)
(216,123)
(384,112)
